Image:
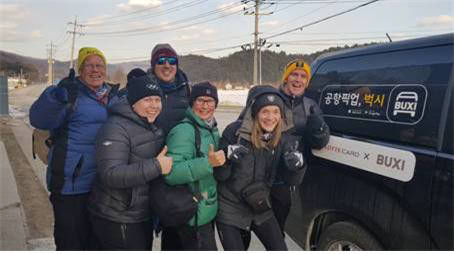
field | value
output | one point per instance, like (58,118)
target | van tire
(346,235)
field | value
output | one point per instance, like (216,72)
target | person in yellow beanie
(86,52)
(296,76)
(92,67)
(305,115)
(73,111)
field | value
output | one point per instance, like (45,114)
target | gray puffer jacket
(126,150)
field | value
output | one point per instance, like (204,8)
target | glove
(71,87)
(236,152)
(293,158)
(315,123)
(317,131)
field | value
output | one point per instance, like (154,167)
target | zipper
(123,232)
(77,171)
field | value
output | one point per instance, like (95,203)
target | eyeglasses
(170,60)
(93,66)
(209,102)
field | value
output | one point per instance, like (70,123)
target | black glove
(293,158)
(236,152)
(69,83)
(315,123)
(317,131)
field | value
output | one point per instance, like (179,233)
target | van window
(391,114)
(448,145)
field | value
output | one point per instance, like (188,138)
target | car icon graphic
(406,103)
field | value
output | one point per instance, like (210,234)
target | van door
(442,192)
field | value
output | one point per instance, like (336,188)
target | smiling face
(148,107)
(297,82)
(165,71)
(93,72)
(204,107)
(269,117)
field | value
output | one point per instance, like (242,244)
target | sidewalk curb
(13,235)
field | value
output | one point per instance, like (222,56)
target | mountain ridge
(235,68)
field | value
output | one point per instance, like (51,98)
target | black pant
(72,227)
(122,236)
(281,201)
(268,233)
(201,238)
(170,240)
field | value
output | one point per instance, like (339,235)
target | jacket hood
(245,129)
(123,109)
(287,98)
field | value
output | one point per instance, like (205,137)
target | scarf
(166,87)
(211,122)
(102,94)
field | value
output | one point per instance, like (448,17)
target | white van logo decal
(382,160)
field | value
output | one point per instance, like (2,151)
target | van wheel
(347,236)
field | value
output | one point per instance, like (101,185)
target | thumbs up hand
(293,158)
(165,161)
(236,152)
(215,159)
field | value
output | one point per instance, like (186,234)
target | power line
(321,20)
(148,30)
(127,14)
(305,14)
(153,15)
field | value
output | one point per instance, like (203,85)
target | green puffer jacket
(187,168)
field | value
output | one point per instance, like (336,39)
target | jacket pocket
(76,172)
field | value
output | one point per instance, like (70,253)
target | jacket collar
(193,117)
(181,79)
(123,109)
(288,99)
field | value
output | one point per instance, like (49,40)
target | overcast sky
(127,30)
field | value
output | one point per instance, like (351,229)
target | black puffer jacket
(126,150)
(297,110)
(259,165)
(174,103)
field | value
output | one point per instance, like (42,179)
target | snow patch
(232,97)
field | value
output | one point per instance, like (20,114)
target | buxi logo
(406,103)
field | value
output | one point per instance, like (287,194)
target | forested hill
(235,69)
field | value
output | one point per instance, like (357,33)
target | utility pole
(261,44)
(256,38)
(50,60)
(73,32)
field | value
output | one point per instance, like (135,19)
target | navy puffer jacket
(174,103)
(72,166)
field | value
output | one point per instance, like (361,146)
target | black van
(385,180)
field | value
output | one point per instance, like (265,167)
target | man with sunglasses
(174,84)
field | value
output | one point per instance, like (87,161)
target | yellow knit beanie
(293,65)
(86,52)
